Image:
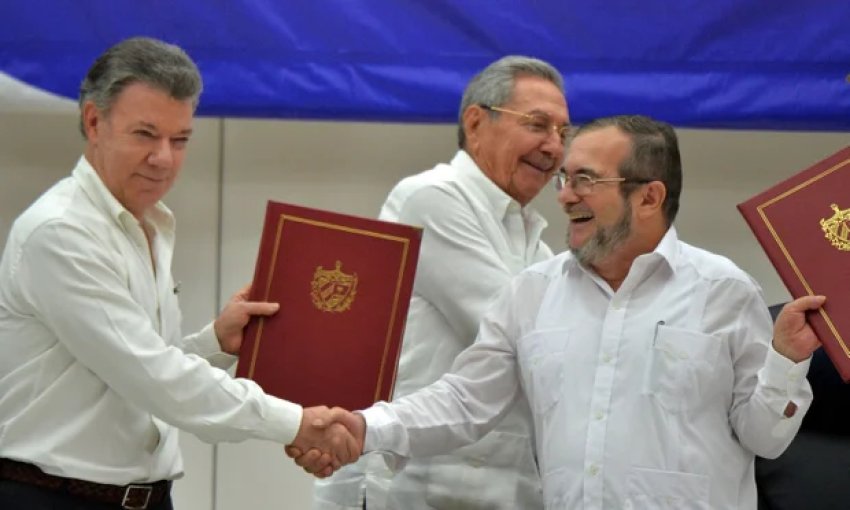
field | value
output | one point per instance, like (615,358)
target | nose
(567,195)
(554,137)
(553,146)
(162,154)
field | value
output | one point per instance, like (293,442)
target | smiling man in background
(479,232)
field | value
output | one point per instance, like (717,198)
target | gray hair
(160,65)
(654,157)
(494,85)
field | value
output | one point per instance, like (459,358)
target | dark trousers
(20,496)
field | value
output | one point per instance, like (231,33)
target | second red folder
(803,224)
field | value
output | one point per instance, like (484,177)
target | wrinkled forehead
(537,96)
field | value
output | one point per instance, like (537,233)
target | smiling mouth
(544,167)
(152,179)
(580,216)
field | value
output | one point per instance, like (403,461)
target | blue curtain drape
(720,63)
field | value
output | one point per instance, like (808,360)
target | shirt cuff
(376,418)
(205,344)
(782,373)
(285,416)
(785,382)
(380,424)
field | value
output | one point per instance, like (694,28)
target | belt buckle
(129,497)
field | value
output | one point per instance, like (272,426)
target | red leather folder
(803,224)
(343,284)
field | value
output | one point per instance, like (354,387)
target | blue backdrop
(780,64)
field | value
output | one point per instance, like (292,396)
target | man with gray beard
(650,365)
(605,239)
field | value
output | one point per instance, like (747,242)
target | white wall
(234,166)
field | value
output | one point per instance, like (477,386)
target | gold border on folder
(278,235)
(761,207)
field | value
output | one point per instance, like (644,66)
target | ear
(473,118)
(91,119)
(651,199)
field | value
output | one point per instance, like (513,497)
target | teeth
(580,216)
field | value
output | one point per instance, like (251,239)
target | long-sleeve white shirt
(94,373)
(657,395)
(476,238)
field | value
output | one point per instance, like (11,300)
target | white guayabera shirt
(655,396)
(94,372)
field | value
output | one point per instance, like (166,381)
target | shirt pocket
(683,362)
(541,357)
(666,490)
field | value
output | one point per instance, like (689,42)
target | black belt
(135,496)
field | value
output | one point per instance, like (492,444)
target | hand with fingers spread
(235,315)
(792,335)
(340,443)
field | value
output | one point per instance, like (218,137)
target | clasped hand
(327,440)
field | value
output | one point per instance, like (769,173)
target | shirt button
(606,358)
(599,415)
(593,470)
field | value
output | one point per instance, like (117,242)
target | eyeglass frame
(561,179)
(562,131)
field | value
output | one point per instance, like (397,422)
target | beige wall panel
(35,152)
(724,168)
(195,203)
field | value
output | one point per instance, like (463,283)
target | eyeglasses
(582,184)
(536,123)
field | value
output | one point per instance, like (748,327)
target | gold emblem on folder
(333,290)
(837,228)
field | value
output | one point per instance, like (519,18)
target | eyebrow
(148,125)
(587,171)
(547,115)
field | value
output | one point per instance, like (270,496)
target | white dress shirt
(476,238)
(94,373)
(657,395)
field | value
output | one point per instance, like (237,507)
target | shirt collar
(668,248)
(159,215)
(494,198)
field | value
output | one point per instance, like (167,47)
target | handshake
(327,440)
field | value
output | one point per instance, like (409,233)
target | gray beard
(605,240)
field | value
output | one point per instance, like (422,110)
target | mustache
(573,208)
